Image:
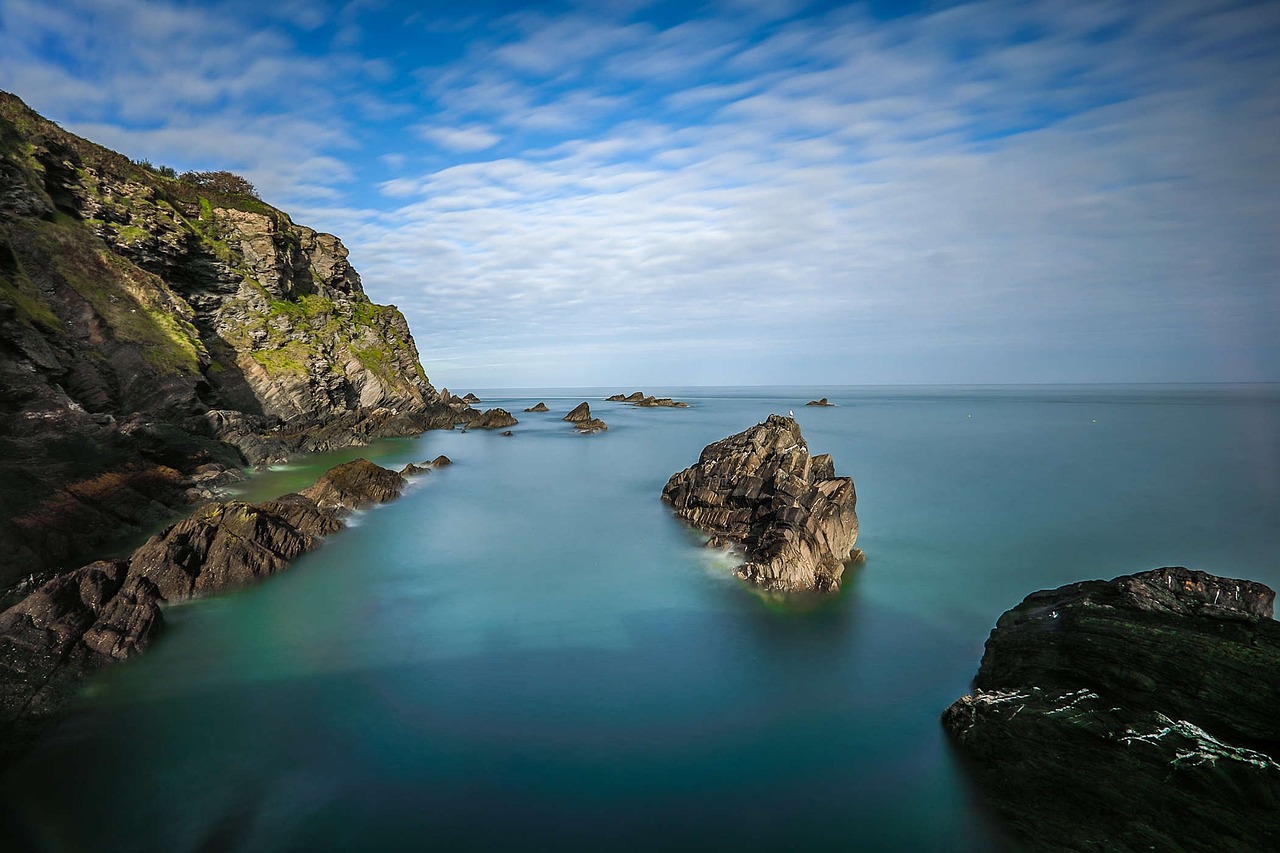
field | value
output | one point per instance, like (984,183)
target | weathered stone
(581,412)
(1132,714)
(441,461)
(219,547)
(67,628)
(822,402)
(471,399)
(540,407)
(590,426)
(761,489)
(411,470)
(353,485)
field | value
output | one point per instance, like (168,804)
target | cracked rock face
(761,490)
(1132,714)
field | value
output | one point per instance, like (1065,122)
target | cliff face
(155,332)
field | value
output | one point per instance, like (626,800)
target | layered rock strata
(762,491)
(110,610)
(579,413)
(157,335)
(1131,714)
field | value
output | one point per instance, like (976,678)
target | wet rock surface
(821,402)
(1131,714)
(761,490)
(540,407)
(590,426)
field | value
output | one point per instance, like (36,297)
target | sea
(529,651)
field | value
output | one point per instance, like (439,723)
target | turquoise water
(528,650)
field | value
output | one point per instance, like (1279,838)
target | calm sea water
(528,650)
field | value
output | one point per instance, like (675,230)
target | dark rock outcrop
(540,407)
(220,546)
(590,426)
(353,485)
(152,328)
(581,412)
(493,419)
(411,470)
(1132,714)
(641,400)
(67,628)
(471,399)
(660,403)
(761,489)
(822,402)
(441,461)
(80,620)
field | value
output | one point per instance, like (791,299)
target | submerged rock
(540,407)
(822,402)
(581,412)
(1131,714)
(493,419)
(506,433)
(641,400)
(762,490)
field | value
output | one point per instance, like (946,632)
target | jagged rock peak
(580,412)
(760,489)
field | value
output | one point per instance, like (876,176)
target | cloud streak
(990,191)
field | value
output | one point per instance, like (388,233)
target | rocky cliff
(761,489)
(1132,714)
(156,332)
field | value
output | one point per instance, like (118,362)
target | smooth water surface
(528,650)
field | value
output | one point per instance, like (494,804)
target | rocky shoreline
(111,609)
(1131,714)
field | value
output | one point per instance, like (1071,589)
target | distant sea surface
(529,651)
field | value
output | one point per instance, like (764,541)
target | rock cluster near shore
(110,610)
(1133,714)
(641,400)
(761,490)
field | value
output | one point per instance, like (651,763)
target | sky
(737,192)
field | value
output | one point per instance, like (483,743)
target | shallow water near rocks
(528,650)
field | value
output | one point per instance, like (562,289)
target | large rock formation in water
(151,326)
(761,489)
(105,611)
(1132,714)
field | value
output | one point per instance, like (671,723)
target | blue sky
(737,192)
